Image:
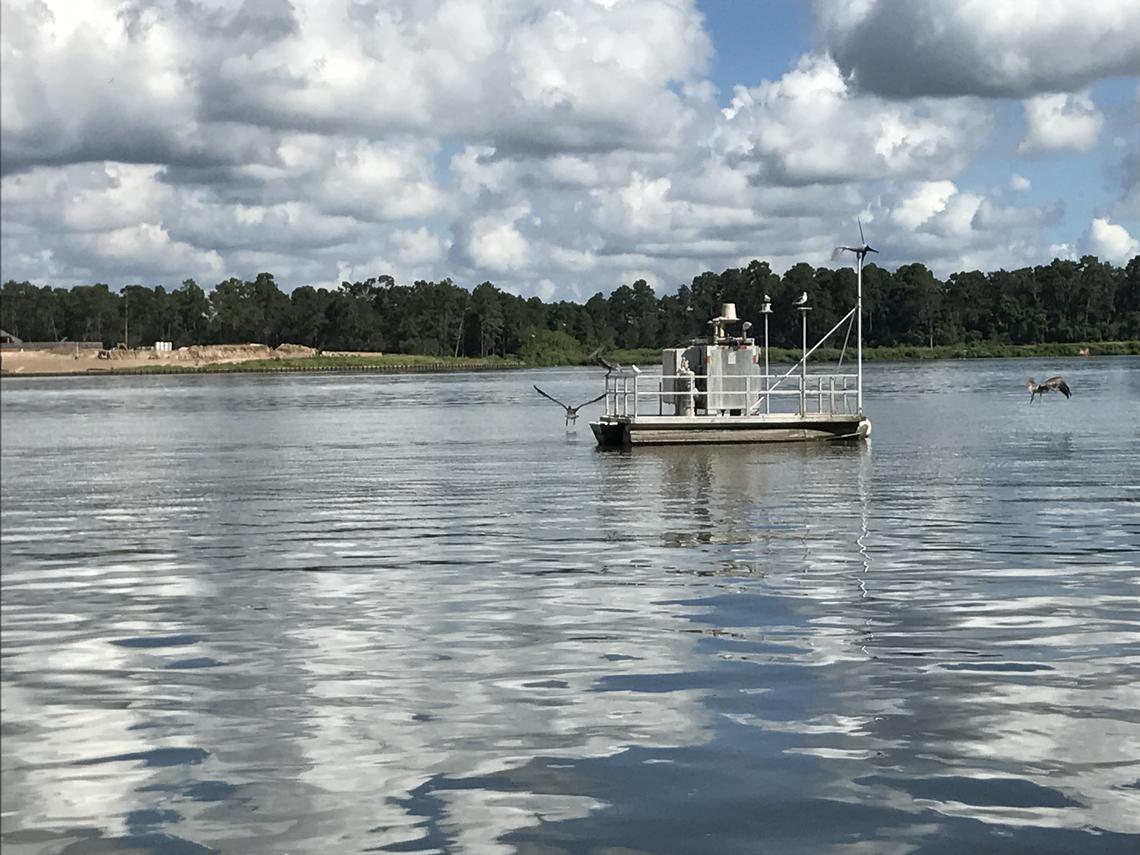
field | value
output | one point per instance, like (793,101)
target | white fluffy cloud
(534,143)
(1061,122)
(1020,183)
(809,128)
(996,48)
(1110,241)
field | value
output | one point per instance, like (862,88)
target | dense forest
(1065,301)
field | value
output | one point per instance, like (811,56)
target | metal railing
(629,394)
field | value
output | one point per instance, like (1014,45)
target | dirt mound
(223,352)
(295,350)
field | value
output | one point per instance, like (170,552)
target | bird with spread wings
(596,356)
(1057,384)
(571,412)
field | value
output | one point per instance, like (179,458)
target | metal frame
(832,393)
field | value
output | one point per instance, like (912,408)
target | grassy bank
(976,350)
(394,363)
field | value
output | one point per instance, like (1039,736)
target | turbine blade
(870,249)
(862,239)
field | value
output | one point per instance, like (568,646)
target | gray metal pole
(767,397)
(803,365)
(859,336)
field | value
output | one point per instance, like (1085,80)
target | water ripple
(368,613)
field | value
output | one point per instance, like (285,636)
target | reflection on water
(321,613)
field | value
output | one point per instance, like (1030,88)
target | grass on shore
(394,362)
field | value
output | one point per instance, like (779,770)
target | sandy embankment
(68,360)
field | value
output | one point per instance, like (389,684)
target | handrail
(802,359)
(623,399)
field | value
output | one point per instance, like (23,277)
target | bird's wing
(1060,385)
(597,357)
(591,401)
(552,398)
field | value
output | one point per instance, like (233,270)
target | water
(322,613)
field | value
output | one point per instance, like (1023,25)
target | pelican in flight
(597,357)
(1052,384)
(801,300)
(571,412)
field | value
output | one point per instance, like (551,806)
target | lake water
(349,613)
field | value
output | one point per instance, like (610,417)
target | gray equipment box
(733,377)
(680,389)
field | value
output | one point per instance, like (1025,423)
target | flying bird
(597,357)
(801,300)
(571,412)
(1057,384)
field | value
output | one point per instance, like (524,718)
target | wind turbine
(860,254)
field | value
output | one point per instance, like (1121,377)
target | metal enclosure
(732,376)
(680,369)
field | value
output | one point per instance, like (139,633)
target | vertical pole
(859,335)
(803,366)
(767,396)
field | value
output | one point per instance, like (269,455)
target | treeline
(1065,301)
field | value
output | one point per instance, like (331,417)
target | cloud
(1110,241)
(494,241)
(1061,122)
(949,229)
(1020,184)
(991,48)
(532,143)
(809,127)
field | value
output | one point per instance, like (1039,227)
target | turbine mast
(859,329)
(860,252)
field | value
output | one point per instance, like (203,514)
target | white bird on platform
(571,412)
(1052,384)
(801,300)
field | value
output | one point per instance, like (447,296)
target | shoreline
(167,370)
(15,363)
(230,359)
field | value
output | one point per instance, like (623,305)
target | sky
(558,148)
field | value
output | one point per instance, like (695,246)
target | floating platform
(622,431)
(713,390)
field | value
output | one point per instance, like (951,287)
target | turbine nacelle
(860,251)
